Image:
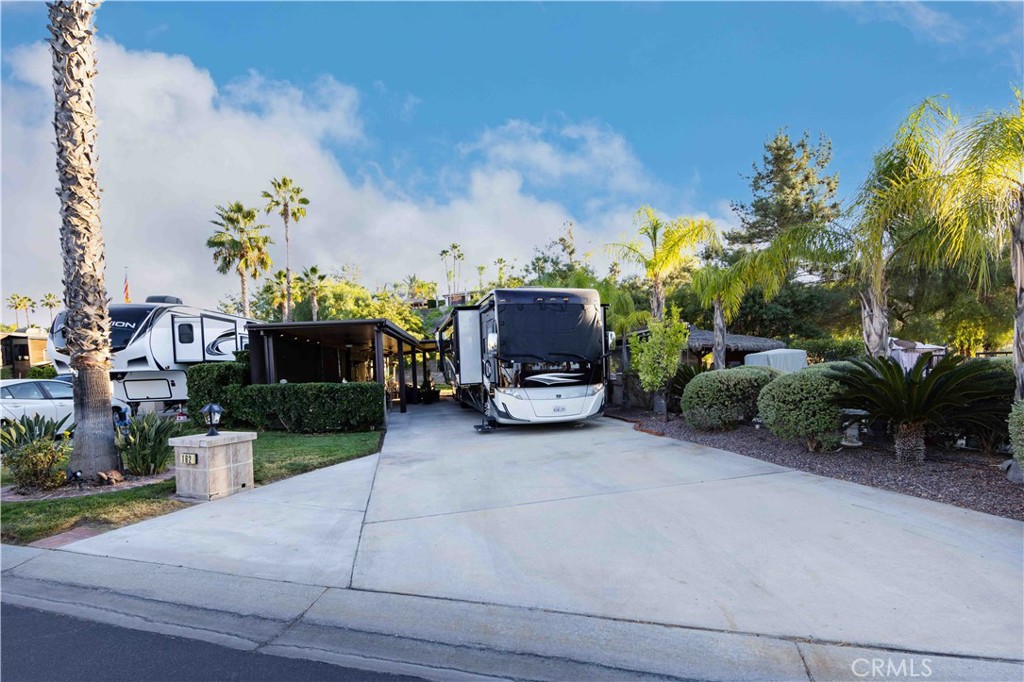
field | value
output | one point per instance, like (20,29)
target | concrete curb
(431,638)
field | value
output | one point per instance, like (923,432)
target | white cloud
(588,153)
(173,145)
(924,21)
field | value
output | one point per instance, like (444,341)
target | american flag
(127,296)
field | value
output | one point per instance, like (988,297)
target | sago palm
(661,247)
(87,327)
(287,201)
(239,244)
(954,391)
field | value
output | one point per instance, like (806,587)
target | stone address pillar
(209,467)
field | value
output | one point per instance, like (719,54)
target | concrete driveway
(592,541)
(603,520)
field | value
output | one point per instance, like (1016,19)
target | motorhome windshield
(549,332)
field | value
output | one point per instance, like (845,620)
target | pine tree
(791,188)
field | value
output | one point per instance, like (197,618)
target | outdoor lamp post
(211,415)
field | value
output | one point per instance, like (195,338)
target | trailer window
(186,333)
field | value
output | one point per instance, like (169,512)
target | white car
(50,398)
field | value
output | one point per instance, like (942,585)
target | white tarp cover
(782,359)
(907,352)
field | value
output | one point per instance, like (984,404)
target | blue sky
(418,117)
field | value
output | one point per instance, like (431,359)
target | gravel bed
(964,479)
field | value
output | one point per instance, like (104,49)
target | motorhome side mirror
(492,342)
(611,341)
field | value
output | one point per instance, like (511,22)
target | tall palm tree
(240,244)
(286,199)
(314,283)
(51,303)
(87,329)
(662,247)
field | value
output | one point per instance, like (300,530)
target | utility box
(209,467)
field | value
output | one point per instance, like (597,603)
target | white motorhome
(529,355)
(154,343)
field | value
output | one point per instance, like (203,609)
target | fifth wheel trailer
(154,343)
(529,355)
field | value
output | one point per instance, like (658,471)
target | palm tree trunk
(1017,260)
(287,269)
(17,318)
(657,299)
(625,369)
(874,314)
(245,293)
(81,235)
(314,305)
(718,346)
(910,442)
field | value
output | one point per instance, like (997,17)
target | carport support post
(378,356)
(415,379)
(426,374)
(401,376)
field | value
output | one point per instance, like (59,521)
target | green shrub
(207,383)
(802,405)
(17,434)
(143,444)
(1017,430)
(242,356)
(722,398)
(41,372)
(41,464)
(829,350)
(6,372)
(311,408)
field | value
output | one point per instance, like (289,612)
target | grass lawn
(275,456)
(279,455)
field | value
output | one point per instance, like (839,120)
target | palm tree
(240,244)
(287,200)
(14,303)
(314,284)
(721,289)
(28,305)
(51,303)
(623,319)
(87,329)
(896,224)
(663,246)
(277,286)
(981,204)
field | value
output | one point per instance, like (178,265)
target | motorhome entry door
(188,339)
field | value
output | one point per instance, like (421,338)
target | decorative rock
(110,477)
(1014,474)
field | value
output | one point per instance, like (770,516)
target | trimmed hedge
(829,350)
(207,382)
(802,405)
(720,399)
(1017,430)
(41,372)
(309,408)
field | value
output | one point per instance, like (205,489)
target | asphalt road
(46,647)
